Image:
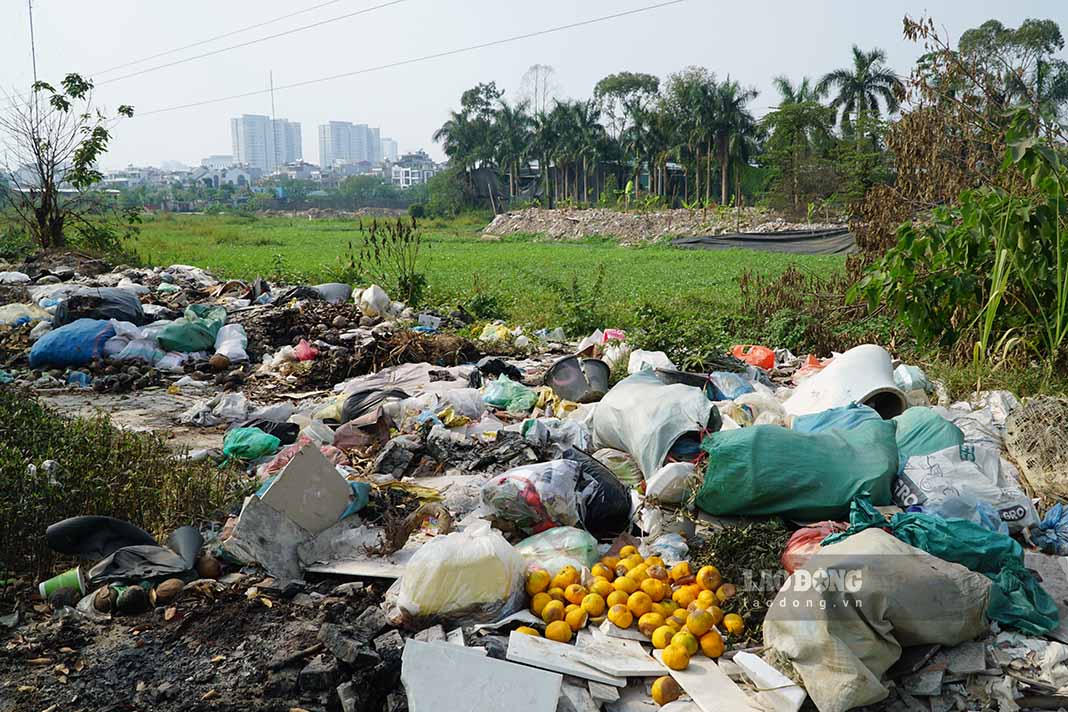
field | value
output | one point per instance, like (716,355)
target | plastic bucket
(72,579)
(578,381)
(597,374)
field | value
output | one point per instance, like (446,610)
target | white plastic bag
(231,342)
(671,483)
(230,407)
(558,547)
(466,402)
(473,576)
(622,465)
(642,360)
(535,497)
(315,430)
(964,470)
(374,301)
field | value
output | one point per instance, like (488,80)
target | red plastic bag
(305,351)
(806,541)
(759,356)
(331,453)
(810,367)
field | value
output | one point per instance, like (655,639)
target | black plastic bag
(364,401)
(603,500)
(93,536)
(285,432)
(100,303)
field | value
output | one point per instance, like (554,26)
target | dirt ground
(221,654)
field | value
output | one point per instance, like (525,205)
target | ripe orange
(712,644)
(620,616)
(559,631)
(593,604)
(676,657)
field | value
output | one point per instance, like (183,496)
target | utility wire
(224,35)
(251,42)
(423,58)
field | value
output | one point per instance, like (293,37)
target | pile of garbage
(542,537)
(635,227)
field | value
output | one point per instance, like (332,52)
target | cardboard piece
(310,491)
(709,687)
(433,673)
(558,657)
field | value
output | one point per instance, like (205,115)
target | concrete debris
(631,227)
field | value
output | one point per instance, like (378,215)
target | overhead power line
(213,52)
(224,35)
(423,58)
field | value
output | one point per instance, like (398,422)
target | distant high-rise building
(390,150)
(346,142)
(265,143)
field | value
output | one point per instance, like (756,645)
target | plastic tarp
(643,416)
(73,344)
(766,469)
(1016,600)
(842,638)
(832,241)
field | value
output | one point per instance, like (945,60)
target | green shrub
(100,470)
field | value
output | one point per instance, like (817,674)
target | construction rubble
(633,227)
(492,522)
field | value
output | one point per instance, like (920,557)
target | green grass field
(523,273)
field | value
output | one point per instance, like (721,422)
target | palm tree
(731,119)
(860,88)
(459,139)
(511,128)
(789,93)
(589,138)
(544,142)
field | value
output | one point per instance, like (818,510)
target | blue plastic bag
(730,385)
(1051,534)
(846,417)
(73,344)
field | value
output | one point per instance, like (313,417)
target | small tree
(53,138)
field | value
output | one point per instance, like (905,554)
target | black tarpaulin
(836,241)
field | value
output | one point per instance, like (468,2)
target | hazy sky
(751,41)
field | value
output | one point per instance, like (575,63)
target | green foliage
(392,253)
(579,307)
(101,470)
(417,210)
(445,193)
(483,304)
(991,271)
(675,328)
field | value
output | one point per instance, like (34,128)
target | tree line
(695,139)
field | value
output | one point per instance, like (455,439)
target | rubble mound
(634,227)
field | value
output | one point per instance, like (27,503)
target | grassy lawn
(529,278)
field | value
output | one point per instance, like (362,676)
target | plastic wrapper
(730,385)
(970,508)
(535,497)
(278,463)
(513,397)
(622,465)
(767,410)
(473,576)
(466,402)
(561,433)
(305,351)
(672,548)
(495,332)
(911,378)
(806,541)
(558,547)
(196,331)
(312,429)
